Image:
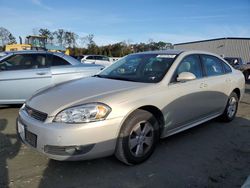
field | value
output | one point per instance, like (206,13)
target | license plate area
(30,138)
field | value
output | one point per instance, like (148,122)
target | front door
(21,75)
(188,98)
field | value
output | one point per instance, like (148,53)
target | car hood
(76,92)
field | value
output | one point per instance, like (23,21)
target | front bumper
(69,141)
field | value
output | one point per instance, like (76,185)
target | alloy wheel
(141,138)
(232,105)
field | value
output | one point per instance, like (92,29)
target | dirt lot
(213,154)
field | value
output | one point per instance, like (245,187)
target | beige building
(226,47)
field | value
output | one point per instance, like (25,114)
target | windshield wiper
(114,78)
(120,78)
(97,75)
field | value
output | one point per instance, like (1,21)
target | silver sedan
(24,72)
(127,107)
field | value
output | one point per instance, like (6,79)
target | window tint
(147,68)
(90,57)
(226,67)
(191,64)
(24,61)
(58,61)
(212,65)
(102,58)
(105,58)
(98,57)
(40,61)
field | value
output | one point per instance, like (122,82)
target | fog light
(68,150)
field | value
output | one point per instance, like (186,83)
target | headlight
(84,113)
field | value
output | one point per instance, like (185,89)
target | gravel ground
(213,154)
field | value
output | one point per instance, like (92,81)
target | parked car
(237,63)
(24,72)
(96,59)
(128,106)
(3,54)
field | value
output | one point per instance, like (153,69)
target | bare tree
(60,35)
(90,40)
(47,33)
(6,37)
(70,39)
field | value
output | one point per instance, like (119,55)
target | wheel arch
(246,72)
(151,109)
(237,91)
(157,113)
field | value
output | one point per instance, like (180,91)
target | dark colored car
(237,63)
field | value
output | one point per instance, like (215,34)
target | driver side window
(191,64)
(23,61)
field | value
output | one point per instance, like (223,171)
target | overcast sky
(135,20)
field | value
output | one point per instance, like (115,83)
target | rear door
(21,75)
(62,70)
(102,60)
(217,83)
(91,59)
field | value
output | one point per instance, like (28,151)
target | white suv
(96,59)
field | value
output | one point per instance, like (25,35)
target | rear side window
(90,57)
(212,65)
(58,61)
(102,58)
(105,58)
(226,67)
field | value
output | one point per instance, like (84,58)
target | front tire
(231,108)
(138,137)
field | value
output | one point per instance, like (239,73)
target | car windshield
(146,68)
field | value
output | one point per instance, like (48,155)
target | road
(214,154)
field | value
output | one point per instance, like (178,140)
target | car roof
(34,52)
(178,52)
(167,52)
(92,55)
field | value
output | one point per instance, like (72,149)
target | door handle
(41,73)
(228,80)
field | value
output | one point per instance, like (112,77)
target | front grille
(41,116)
(31,138)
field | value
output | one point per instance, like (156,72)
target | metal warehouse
(226,47)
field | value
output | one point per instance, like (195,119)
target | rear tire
(231,108)
(138,137)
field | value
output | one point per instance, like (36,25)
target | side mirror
(185,76)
